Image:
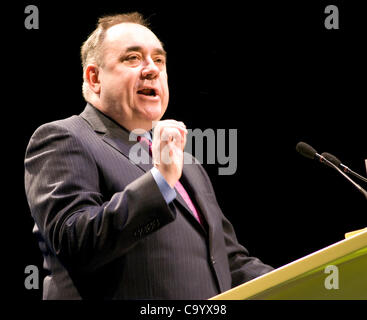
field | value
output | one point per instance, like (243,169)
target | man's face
(133,76)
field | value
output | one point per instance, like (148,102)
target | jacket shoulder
(71,124)
(74,128)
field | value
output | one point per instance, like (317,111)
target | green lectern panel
(344,278)
(338,271)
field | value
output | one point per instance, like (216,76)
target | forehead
(125,35)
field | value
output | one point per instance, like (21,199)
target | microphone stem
(330,164)
(357,175)
(351,181)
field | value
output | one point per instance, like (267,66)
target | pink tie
(178,186)
(181,190)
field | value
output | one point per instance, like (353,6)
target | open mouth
(147,92)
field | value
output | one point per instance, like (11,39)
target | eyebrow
(140,49)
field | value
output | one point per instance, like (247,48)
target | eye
(132,57)
(160,60)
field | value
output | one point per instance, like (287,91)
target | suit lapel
(116,136)
(119,138)
(116,140)
(189,177)
(183,204)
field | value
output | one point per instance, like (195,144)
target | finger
(171,123)
(171,134)
(157,134)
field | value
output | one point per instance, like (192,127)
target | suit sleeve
(80,226)
(243,267)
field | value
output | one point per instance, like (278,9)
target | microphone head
(331,158)
(306,150)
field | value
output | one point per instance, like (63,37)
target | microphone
(307,151)
(339,164)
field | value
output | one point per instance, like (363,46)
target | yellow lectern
(335,272)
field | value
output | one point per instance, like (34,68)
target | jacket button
(212,258)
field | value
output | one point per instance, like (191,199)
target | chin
(153,113)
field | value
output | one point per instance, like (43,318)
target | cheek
(125,85)
(124,79)
(167,96)
(164,86)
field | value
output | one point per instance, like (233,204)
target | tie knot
(145,141)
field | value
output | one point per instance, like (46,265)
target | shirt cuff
(168,193)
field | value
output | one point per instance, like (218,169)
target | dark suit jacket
(105,230)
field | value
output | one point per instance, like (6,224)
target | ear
(92,77)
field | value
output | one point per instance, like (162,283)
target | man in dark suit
(112,228)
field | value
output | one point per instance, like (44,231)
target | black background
(268,69)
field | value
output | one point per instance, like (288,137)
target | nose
(150,70)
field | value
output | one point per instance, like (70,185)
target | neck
(123,121)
